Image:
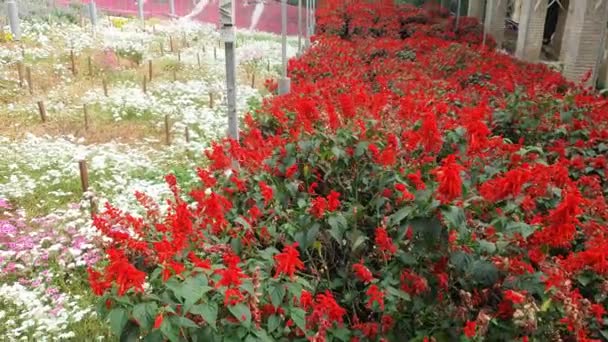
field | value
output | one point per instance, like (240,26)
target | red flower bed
(410,187)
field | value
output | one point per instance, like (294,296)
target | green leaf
(487,246)
(192,290)
(342,334)
(461,260)
(208,311)
(519,227)
(338,225)
(185,322)
(455,218)
(145,313)
(299,318)
(277,293)
(273,323)
(242,313)
(484,273)
(546,305)
(130,333)
(361,148)
(169,330)
(118,319)
(401,214)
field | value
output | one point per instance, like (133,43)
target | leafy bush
(411,189)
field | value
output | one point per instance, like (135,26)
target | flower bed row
(411,187)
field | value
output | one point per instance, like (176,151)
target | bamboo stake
(167,130)
(179,56)
(171,44)
(162,49)
(187,134)
(150,70)
(90,65)
(28,76)
(104,84)
(198,59)
(174,75)
(20,73)
(144,85)
(84,175)
(253,80)
(86,117)
(42,111)
(214,53)
(73,62)
(210,100)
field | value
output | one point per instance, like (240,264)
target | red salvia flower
(375,296)
(288,261)
(470,329)
(385,243)
(266,191)
(448,176)
(363,273)
(158,321)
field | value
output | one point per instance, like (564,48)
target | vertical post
(475,9)
(73,62)
(457,16)
(228,35)
(172,7)
(179,56)
(171,47)
(42,111)
(215,53)
(150,70)
(84,175)
(299,26)
(104,84)
(174,75)
(198,59)
(531,29)
(167,130)
(85,110)
(144,84)
(162,49)
(140,11)
(211,100)
(93,14)
(187,134)
(584,40)
(20,73)
(13,18)
(307,36)
(28,76)
(90,65)
(284,82)
(495,21)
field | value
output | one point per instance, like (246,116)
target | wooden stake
(84,175)
(171,44)
(187,134)
(204,49)
(144,85)
(73,62)
(28,76)
(167,130)
(210,100)
(214,53)
(162,49)
(104,84)
(86,117)
(179,56)
(174,75)
(20,73)
(268,67)
(253,80)
(90,65)
(42,111)
(198,59)
(150,70)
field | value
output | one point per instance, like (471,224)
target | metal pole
(299,25)
(306,40)
(600,53)
(487,20)
(172,7)
(13,18)
(140,10)
(457,16)
(93,14)
(228,35)
(284,82)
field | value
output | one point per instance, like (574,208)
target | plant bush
(412,188)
